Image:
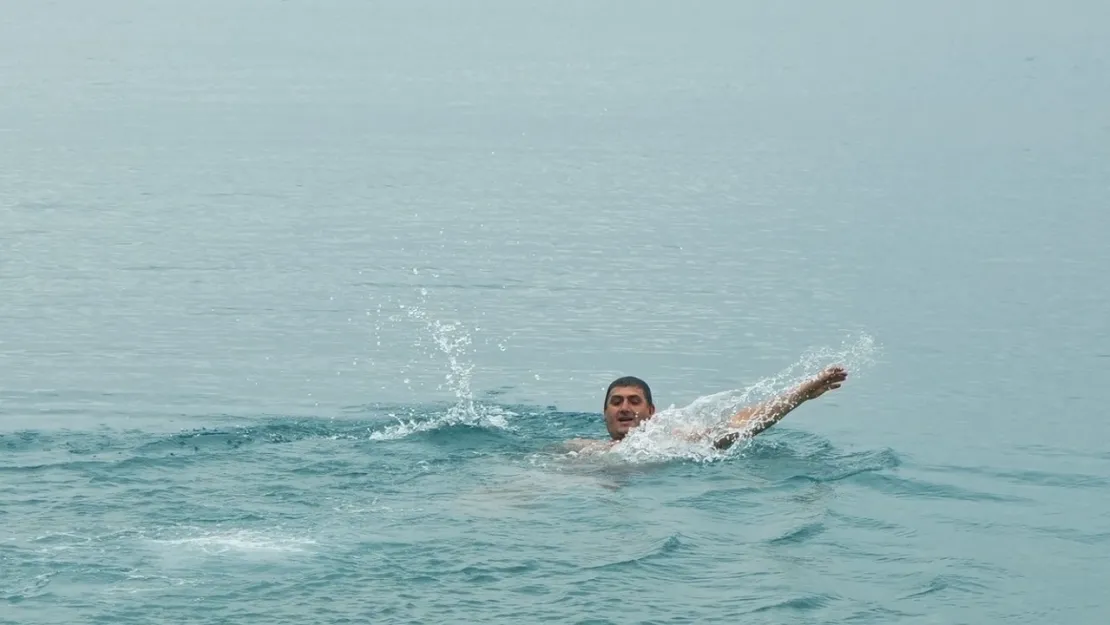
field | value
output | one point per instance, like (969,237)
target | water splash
(689,432)
(472,414)
(451,341)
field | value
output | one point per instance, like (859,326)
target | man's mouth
(626,418)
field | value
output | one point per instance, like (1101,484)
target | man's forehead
(626,391)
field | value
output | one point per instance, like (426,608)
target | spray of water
(690,431)
(452,342)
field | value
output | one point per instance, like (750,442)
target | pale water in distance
(298,301)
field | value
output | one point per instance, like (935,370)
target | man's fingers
(831,378)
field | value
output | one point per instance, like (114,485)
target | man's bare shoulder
(587,445)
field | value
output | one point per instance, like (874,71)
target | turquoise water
(298,302)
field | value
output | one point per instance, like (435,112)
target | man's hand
(827,380)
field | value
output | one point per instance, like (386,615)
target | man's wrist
(801,395)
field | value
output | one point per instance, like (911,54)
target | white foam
(243,541)
(466,412)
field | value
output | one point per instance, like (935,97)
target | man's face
(625,408)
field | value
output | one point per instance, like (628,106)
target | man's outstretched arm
(755,419)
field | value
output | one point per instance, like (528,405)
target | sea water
(300,301)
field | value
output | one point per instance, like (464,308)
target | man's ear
(651,409)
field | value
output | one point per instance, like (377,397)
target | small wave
(24,441)
(810,602)
(917,488)
(29,589)
(80,443)
(1028,477)
(958,583)
(659,548)
(207,439)
(796,455)
(799,534)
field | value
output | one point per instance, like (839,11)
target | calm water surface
(298,301)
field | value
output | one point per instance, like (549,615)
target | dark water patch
(782,444)
(386,411)
(1052,451)
(1075,536)
(127,468)
(807,457)
(493,393)
(1028,476)
(868,523)
(22,441)
(222,439)
(800,534)
(78,443)
(117,468)
(491,571)
(462,438)
(725,500)
(439,429)
(951,583)
(878,615)
(920,489)
(38,468)
(851,465)
(804,603)
(331,467)
(83,450)
(20,589)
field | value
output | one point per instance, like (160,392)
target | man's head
(627,404)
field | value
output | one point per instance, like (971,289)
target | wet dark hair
(629,380)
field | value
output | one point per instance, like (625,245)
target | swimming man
(628,403)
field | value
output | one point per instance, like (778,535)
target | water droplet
(537,376)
